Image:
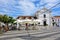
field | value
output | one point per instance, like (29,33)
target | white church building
(42,17)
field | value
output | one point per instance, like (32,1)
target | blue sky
(16,8)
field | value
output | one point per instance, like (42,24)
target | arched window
(39,23)
(44,16)
(35,17)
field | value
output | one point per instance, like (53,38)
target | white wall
(58,22)
(48,18)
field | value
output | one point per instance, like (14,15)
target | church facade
(44,16)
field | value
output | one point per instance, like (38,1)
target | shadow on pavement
(58,38)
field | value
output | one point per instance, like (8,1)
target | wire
(51,7)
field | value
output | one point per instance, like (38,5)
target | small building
(57,20)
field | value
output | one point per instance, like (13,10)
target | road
(53,34)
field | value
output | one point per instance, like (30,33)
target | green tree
(1,18)
(11,20)
(6,19)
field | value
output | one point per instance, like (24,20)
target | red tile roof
(24,16)
(56,16)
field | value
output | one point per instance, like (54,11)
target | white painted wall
(40,16)
(57,22)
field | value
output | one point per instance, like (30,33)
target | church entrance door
(44,23)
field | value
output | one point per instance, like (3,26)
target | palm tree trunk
(6,27)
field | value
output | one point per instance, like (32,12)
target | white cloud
(2,13)
(49,3)
(26,6)
(58,6)
(33,0)
(56,13)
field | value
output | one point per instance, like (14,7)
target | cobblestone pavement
(43,34)
(38,36)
